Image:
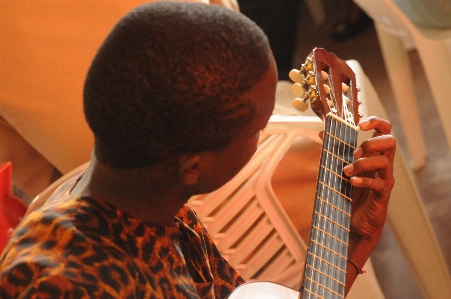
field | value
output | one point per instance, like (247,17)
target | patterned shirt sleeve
(210,271)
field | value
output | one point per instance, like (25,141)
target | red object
(12,208)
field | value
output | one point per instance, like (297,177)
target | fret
(341,141)
(332,221)
(334,251)
(336,174)
(330,277)
(335,207)
(336,191)
(313,294)
(339,232)
(333,236)
(335,153)
(327,262)
(324,247)
(321,290)
(336,157)
(323,261)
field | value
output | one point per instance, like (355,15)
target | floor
(434,180)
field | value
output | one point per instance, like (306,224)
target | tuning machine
(305,87)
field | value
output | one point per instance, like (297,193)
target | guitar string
(350,138)
(318,250)
(312,286)
(349,135)
(323,209)
(332,179)
(336,198)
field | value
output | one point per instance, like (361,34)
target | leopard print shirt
(80,247)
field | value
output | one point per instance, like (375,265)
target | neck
(325,269)
(152,193)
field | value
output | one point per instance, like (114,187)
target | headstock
(329,84)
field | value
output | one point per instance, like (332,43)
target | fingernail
(358,153)
(356,181)
(348,169)
(365,122)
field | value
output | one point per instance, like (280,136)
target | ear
(189,169)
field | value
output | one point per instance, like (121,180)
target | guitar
(328,83)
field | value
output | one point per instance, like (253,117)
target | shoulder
(65,262)
(62,186)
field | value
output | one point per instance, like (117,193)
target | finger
(380,125)
(380,188)
(384,144)
(380,164)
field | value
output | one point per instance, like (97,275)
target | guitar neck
(325,269)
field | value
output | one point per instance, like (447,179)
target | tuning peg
(311,94)
(344,87)
(330,103)
(324,75)
(308,65)
(300,104)
(347,101)
(296,76)
(298,90)
(326,89)
(310,78)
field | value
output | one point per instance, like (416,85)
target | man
(176,97)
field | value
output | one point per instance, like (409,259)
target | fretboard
(325,269)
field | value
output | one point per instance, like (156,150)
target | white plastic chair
(396,35)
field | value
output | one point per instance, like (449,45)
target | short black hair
(168,80)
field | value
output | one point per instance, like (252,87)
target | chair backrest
(12,208)
(390,18)
(245,218)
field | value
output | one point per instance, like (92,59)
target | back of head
(168,80)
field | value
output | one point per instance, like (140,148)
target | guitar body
(263,290)
(328,83)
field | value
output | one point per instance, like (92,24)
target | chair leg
(399,72)
(436,63)
(413,231)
